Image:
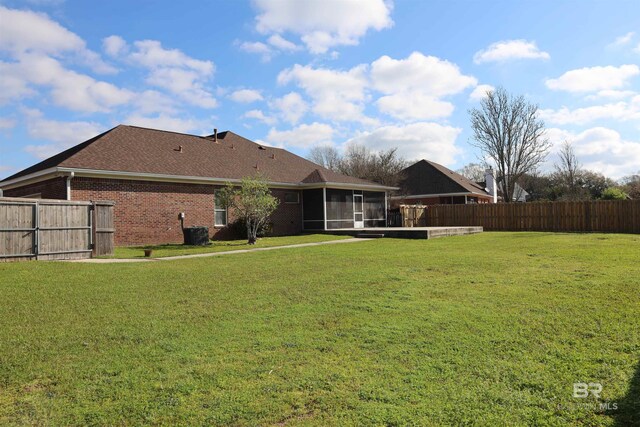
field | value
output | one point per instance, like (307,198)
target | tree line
(511,138)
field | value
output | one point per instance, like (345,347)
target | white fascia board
(346,186)
(142,176)
(29,179)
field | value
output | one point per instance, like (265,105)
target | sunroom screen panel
(339,208)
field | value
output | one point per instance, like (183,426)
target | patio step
(370,235)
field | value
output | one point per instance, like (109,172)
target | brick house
(429,183)
(153,175)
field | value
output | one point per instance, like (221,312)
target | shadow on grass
(628,412)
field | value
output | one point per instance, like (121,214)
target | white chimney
(492,188)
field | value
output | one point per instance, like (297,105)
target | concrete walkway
(210,254)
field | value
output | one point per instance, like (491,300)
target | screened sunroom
(333,208)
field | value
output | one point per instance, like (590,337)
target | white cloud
(612,94)
(166,122)
(24,31)
(114,46)
(323,24)
(621,111)
(276,43)
(169,69)
(507,50)
(422,140)
(623,40)
(151,54)
(69,89)
(594,78)
(281,43)
(152,101)
(258,48)
(336,95)
(419,72)
(480,92)
(414,106)
(414,85)
(7,123)
(602,149)
(260,116)
(291,107)
(304,136)
(246,96)
(62,134)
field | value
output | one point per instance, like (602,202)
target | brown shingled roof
(148,151)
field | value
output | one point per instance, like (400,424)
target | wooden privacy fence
(611,216)
(54,229)
(413,216)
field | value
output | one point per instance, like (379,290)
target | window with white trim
(220,211)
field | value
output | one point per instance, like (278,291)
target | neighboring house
(153,175)
(520,195)
(429,183)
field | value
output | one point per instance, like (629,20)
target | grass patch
(161,251)
(489,329)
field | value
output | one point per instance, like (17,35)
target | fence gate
(54,229)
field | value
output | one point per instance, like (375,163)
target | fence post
(36,231)
(92,231)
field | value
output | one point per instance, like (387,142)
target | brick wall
(146,212)
(55,188)
(287,219)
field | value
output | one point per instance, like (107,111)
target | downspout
(69,178)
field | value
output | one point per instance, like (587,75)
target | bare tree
(383,167)
(357,161)
(508,131)
(326,156)
(631,185)
(473,171)
(568,171)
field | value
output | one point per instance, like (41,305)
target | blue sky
(298,74)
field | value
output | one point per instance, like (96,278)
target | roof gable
(426,177)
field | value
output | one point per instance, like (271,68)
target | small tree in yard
(251,202)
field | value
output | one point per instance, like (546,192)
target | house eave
(348,186)
(142,176)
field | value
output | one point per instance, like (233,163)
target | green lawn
(161,251)
(490,329)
